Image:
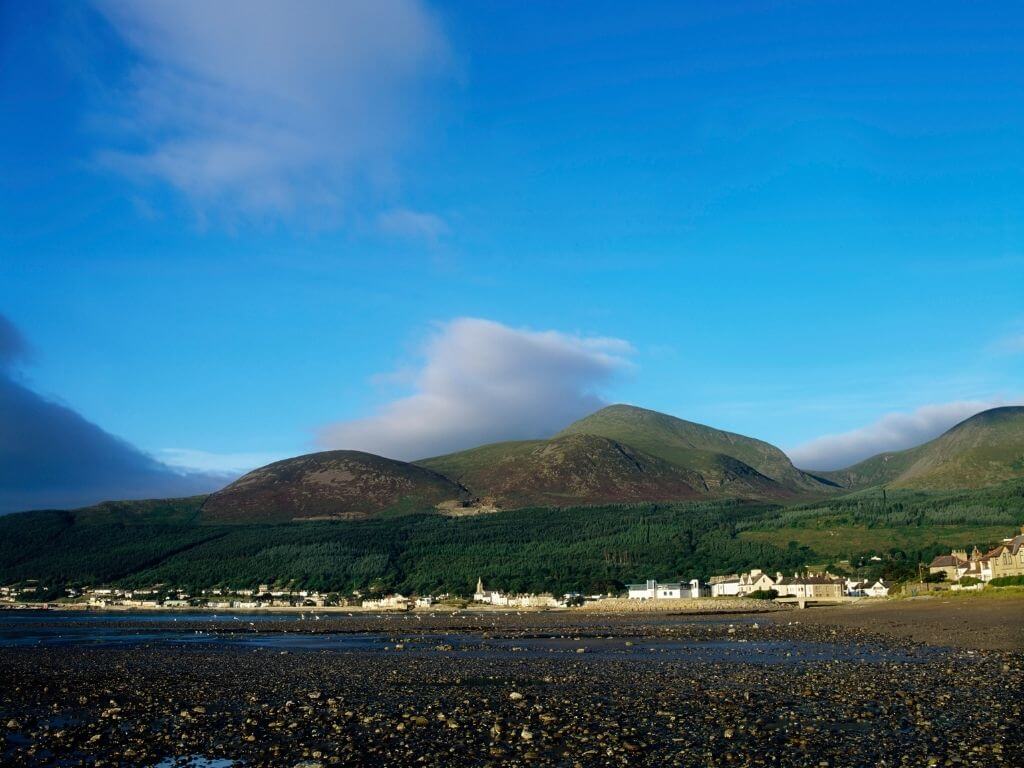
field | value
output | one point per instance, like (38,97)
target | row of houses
(397,602)
(517,600)
(161,596)
(14,593)
(815,586)
(1005,559)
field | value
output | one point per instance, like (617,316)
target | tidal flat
(538,689)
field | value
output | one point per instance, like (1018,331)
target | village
(1002,565)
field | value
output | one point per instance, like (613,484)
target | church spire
(480,586)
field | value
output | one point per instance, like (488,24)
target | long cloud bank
(264,107)
(52,457)
(482,382)
(892,432)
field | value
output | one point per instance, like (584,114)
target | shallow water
(293,634)
(195,761)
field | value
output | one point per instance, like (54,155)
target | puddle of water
(195,761)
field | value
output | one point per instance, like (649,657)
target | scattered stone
(644,693)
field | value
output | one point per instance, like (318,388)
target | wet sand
(557,689)
(978,622)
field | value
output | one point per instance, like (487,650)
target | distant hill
(986,449)
(343,485)
(576,469)
(711,452)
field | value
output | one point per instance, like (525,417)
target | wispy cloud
(412,225)
(50,456)
(1011,344)
(892,432)
(481,382)
(264,107)
(231,464)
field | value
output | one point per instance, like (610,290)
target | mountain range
(620,454)
(623,494)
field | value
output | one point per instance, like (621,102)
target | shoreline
(608,606)
(543,688)
(937,620)
(974,623)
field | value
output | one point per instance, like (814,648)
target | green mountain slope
(345,485)
(986,449)
(582,469)
(688,444)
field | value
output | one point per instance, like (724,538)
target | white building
(725,586)
(389,603)
(675,590)
(651,589)
(482,595)
(877,588)
(756,581)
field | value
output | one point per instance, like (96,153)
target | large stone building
(951,565)
(1005,559)
(813,586)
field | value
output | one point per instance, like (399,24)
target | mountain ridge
(619,454)
(584,468)
(687,442)
(984,449)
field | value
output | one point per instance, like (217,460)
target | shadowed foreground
(540,689)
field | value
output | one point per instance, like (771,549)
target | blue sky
(252,234)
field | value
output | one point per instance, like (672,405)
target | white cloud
(483,382)
(227,464)
(892,432)
(263,106)
(412,225)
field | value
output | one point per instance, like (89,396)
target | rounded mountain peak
(346,485)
